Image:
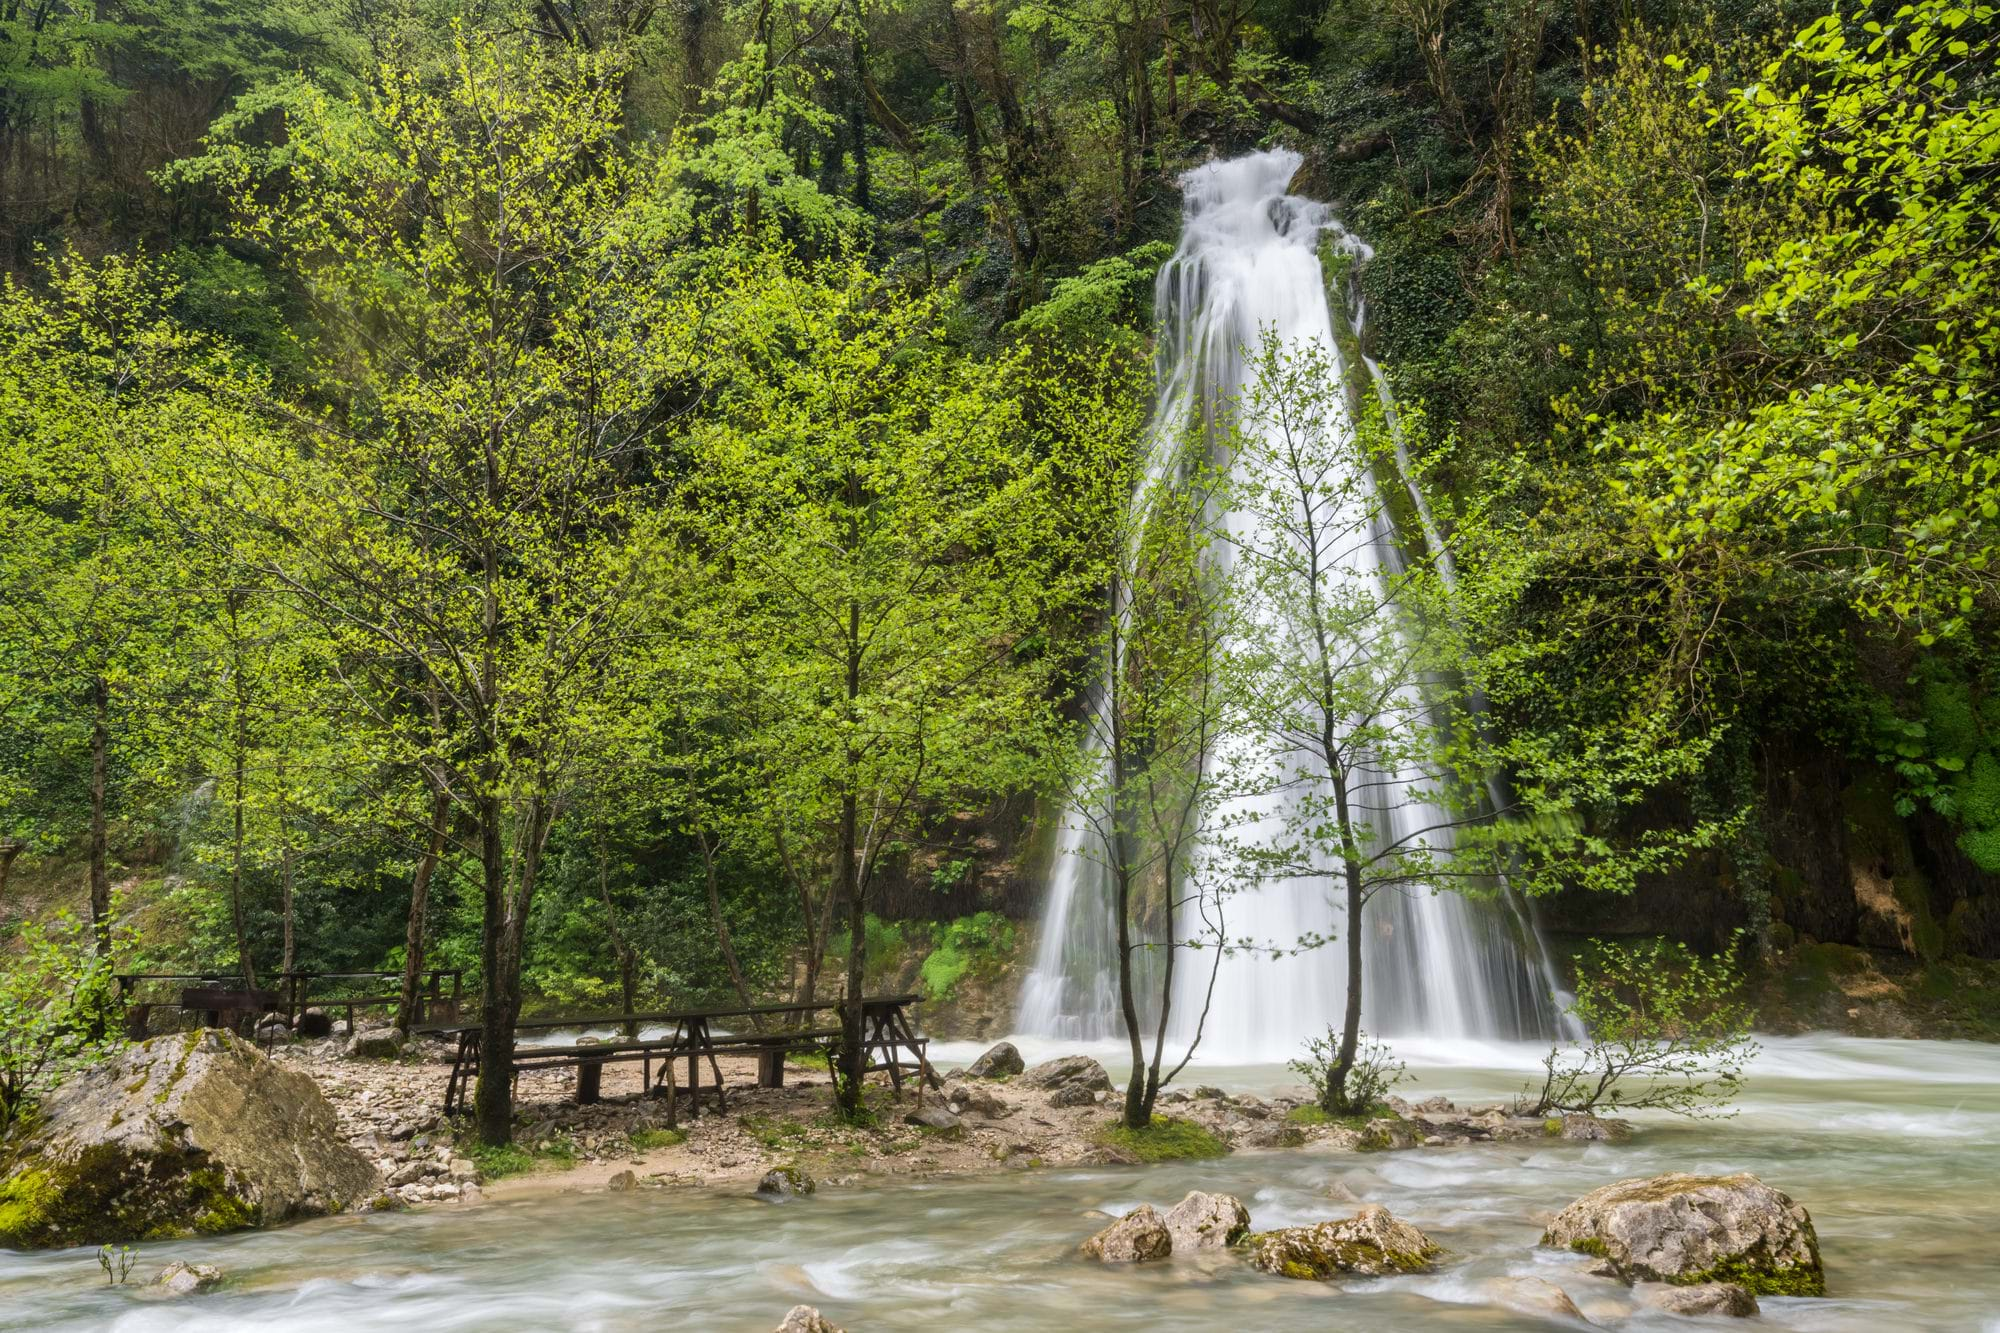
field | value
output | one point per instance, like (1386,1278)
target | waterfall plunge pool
(1891,1145)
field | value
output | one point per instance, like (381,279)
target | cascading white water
(1434,964)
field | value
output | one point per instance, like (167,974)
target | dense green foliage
(587,493)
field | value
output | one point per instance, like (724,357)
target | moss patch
(1164,1140)
(1797,1280)
(646,1139)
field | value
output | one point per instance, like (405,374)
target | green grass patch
(514,1159)
(647,1139)
(1165,1140)
(1312,1114)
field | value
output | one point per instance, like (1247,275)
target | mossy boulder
(1372,1243)
(1688,1230)
(190,1133)
(1140,1236)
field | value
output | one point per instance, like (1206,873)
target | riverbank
(1882,1141)
(1059,1113)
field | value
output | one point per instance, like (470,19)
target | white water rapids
(1887,1143)
(1435,964)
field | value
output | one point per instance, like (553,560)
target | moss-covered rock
(1688,1230)
(191,1133)
(1372,1243)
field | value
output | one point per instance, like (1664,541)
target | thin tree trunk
(722,937)
(493,1097)
(239,756)
(100,839)
(287,884)
(8,851)
(420,896)
(621,948)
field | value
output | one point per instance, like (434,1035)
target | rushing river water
(1893,1147)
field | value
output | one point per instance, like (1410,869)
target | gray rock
(783,1182)
(1588,1128)
(979,1101)
(1705,1298)
(622,1182)
(1387,1135)
(462,1171)
(935,1117)
(1690,1229)
(1206,1222)
(1533,1295)
(375,1044)
(192,1131)
(180,1279)
(470,1193)
(1068,1071)
(1073,1094)
(1371,1243)
(805,1319)
(1000,1062)
(409,1173)
(1136,1238)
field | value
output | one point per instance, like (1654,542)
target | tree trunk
(420,897)
(287,883)
(722,937)
(8,851)
(100,839)
(239,745)
(851,1055)
(499,1003)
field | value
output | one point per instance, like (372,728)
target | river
(1891,1145)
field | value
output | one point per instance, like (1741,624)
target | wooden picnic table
(692,1036)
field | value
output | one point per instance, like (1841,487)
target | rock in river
(783,1182)
(1069,1071)
(185,1133)
(1206,1222)
(1000,1062)
(805,1319)
(1372,1243)
(1716,1298)
(179,1279)
(1694,1229)
(1135,1238)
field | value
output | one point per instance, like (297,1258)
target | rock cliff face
(187,1133)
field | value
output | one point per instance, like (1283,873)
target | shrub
(58,1011)
(969,944)
(1361,1087)
(1667,1033)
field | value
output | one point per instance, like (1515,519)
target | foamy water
(1891,1145)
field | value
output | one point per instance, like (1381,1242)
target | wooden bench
(691,1036)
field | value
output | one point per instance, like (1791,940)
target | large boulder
(1688,1230)
(1003,1061)
(1206,1222)
(381,1043)
(1135,1238)
(1069,1071)
(1372,1243)
(193,1132)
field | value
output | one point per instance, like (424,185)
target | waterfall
(1435,964)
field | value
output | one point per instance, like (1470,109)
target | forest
(660,510)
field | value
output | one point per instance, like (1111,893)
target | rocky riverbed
(994,1114)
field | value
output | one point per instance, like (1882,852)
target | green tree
(467,513)
(880,520)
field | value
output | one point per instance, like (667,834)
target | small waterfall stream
(1436,965)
